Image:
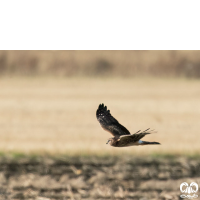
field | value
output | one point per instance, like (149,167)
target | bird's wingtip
(157,143)
(101,105)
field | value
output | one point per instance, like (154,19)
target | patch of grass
(175,155)
(64,156)
(164,155)
(2,154)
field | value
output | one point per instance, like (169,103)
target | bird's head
(110,141)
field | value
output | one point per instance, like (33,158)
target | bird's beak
(108,141)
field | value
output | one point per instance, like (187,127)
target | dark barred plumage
(122,136)
(109,123)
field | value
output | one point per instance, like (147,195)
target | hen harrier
(122,137)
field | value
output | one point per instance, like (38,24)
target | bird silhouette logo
(189,190)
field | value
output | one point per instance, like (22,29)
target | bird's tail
(144,143)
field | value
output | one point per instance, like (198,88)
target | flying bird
(122,137)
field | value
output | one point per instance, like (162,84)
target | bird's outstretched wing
(109,123)
(135,137)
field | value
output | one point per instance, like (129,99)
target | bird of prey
(122,137)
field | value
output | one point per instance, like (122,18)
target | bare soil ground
(45,178)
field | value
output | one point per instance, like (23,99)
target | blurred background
(53,147)
(101,63)
(48,100)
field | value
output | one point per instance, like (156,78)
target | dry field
(49,115)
